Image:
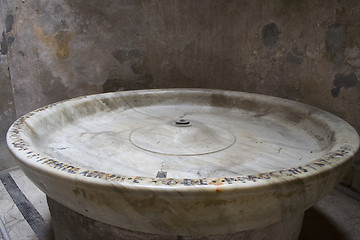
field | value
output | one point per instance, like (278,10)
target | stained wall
(308,51)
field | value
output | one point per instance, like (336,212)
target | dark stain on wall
(138,66)
(10,40)
(341,80)
(335,38)
(113,84)
(4,44)
(120,55)
(9,21)
(5,40)
(124,55)
(52,87)
(118,84)
(270,34)
(138,79)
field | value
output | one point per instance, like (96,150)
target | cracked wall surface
(308,51)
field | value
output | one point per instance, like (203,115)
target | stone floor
(335,217)
(24,213)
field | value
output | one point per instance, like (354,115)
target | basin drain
(182,123)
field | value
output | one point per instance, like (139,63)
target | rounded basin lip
(342,151)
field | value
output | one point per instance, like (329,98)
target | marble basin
(184,162)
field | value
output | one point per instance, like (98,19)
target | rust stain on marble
(60,40)
(30,128)
(80,191)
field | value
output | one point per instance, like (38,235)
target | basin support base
(69,225)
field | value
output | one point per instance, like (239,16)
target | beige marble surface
(242,161)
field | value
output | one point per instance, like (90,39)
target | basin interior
(186,135)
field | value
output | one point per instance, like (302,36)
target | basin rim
(339,154)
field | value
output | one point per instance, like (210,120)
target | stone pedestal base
(69,225)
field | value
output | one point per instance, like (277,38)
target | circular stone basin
(183,162)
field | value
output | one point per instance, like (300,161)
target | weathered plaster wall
(7,106)
(308,51)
